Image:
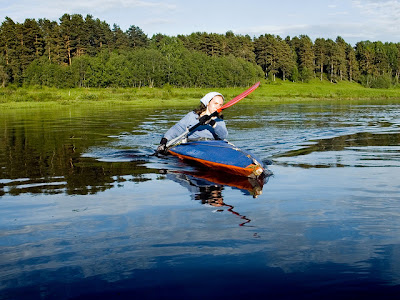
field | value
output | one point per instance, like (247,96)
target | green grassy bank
(169,96)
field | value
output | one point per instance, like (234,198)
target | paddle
(229,104)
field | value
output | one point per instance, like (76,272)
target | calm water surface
(87,213)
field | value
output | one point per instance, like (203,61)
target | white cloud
(158,21)
(272,29)
(382,18)
(111,4)
(364,20)
(54,9)
(339,13)
(380,11)
(354,20)
(350,32)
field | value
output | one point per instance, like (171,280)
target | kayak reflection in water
(208,192)
(210,127)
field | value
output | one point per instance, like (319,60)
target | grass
(278,91)
(325,90)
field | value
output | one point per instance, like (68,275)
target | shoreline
(267,93)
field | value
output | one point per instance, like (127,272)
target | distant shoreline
(279,91)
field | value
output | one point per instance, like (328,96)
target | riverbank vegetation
(268,92)
(81,52)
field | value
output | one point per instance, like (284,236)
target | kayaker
(211,127)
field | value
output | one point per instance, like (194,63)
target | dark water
(87,213)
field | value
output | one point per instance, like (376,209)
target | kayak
(220,155)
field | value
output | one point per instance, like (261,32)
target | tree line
(82,51)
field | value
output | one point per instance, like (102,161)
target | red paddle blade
(239,97)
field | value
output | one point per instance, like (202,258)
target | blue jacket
(218,132)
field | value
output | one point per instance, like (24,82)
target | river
(86,211)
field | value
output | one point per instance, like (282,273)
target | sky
(353,20)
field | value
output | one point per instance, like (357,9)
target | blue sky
(354,20)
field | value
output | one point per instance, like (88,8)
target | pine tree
(8,44)
(341,57)
(333,59)
(239,46)
(136,37)
(8,40)
(365,55)
(266,48)
(352,65)
(381,61)
(303,47)
(286,60)
(320,53)
(51,37)
(98,35)
(119,39)
(67,34)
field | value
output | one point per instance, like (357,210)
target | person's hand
(162,148)
(204,119)
(212,123)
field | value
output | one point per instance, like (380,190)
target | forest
(79,51)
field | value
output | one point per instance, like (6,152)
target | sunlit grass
(278,91)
